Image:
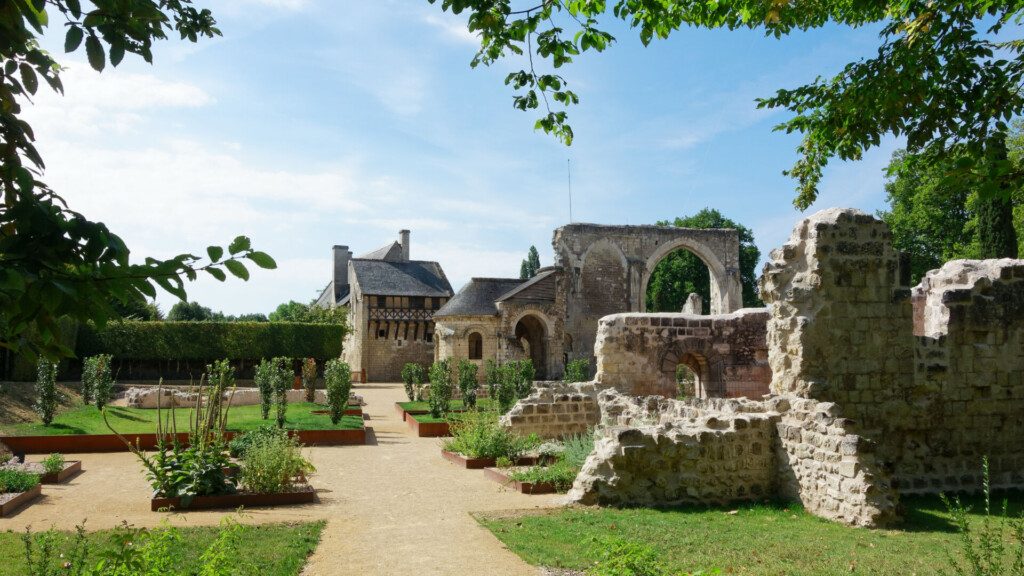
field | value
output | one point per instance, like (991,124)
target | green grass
(89,420)
(276,549)
(456,405)
(758,539)
(428,419)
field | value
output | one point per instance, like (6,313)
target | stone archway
(726,289)
(697,355)
(532,336)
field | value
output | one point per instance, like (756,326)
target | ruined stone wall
(555,410)
(638,353)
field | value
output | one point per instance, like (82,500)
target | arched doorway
(531,334)
(724,292)
(678,274)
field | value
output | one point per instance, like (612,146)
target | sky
(312,123)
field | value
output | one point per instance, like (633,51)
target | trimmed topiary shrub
(309,378)
(264,380)
(467,382)
(440,388)
(46,390)
(283,377)
(338,376)
(412,379)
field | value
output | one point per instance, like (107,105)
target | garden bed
(426,426)
(303,494)
(501,476)
(480,463)
(71,468)
(350,410)
(404,409)
(11,502)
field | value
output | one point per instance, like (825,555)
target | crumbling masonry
(875,389)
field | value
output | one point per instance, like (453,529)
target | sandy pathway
(393,506)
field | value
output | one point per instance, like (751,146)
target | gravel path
(393,506)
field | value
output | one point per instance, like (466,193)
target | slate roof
(413,278)
(478,297)
(392,251)
(539,288)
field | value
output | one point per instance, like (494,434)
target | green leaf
(237,268)
(73,39)
(263,260)
(28,77)
(75,7)
(116,54)
(239,244)
(215,252)
(217,273)
(94,50)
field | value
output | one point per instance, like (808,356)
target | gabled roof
(478,297)
(413,278)
(540,288)
(392,252)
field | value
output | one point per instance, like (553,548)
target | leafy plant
(309,378)
(54,463)
(467,382)
(271,462)
(508,374)
(5,455)
(440,388)
(241,442)
(984,548)
(46,390)
(97,380)
(625,558)
(264,379)
(478,434)
(577,448)
(503,462)
(560,474)
(412,379)
(283,377)
(492,375)
(577,370)
(338,376)
(17,481)
(43,559)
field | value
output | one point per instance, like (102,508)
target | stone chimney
(403,239)
(342,255)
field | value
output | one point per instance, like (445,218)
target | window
(381,301)
(476,346)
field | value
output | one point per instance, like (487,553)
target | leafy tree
(192,312)
(440,387)
(293,311)
(338,380)
(682,272)
(54,262)
(945,75)
(531,265)
(46,390)
(309,378)
(467,382)
(144,310)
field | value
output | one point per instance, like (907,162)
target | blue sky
(317,122)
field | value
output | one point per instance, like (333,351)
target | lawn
(752,539)
(89,420)
(270,549)
(485,403)
(428,419)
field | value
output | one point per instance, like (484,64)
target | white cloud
(453,28)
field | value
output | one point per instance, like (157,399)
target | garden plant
(508,376)
(478,434)
(281,383)
(46,390)
(264,380)
(440,388)
(526,375)
(14,481)
(97,379)
(412,379)
(272,462)
(54,463)
(566,466)
(309,378)
(577,370)
(492,376)
(467,383)
(338,376)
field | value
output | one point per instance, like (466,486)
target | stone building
(391,301)
(599,270)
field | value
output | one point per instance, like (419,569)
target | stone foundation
(555,410)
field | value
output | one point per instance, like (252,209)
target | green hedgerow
(338,375)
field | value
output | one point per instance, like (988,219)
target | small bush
(338,376)
(503,462)
(271,462)
(577,370)
(480,435)
(508,375)
(577,448)
(241,442)
(440,388)
(13,481)
(492,375)
(560,474)
(46,390)
(467,382)
(524,382)
(623,558)
(97,379)
(264,380)
(412,378)
(5,455)
(54,463)
(283,377)
(309,378)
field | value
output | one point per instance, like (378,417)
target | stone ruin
(868,389)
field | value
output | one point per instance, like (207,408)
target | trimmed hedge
(208,340)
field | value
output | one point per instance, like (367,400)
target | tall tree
(682,272)
(192,312)
(54,262)
(945,76)
(528,269)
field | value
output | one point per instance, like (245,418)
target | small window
(476,346)
(381,302)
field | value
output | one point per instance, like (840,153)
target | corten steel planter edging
(71,468)
(306,495)
(21,500)
(502,478)
(480,463)
(85,443)
(347,412)
(428,429)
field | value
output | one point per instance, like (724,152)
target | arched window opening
(476,346)
(675,277)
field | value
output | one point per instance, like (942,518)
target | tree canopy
(682,272)
(528,269)
(293,311)
(945,76)
(55,262)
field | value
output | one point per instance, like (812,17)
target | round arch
(535,330)
(726,291)
(700,357)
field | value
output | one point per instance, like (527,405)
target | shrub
(467,382)
(412,378)
(503,462)
(5,455)
(492,375)
(338,376)
(97,381)
(623,558)
(309,378)
(46,390)
(685,381)
(478,434)
(524,381)
(17,481)
(577,370)
(271,462)
(54,463)
(264,380)
(282,381)
(208,340)
(577,448)
(241,442)
(440,388)
(508,375)
(560,474)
